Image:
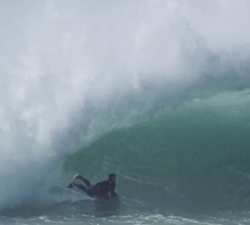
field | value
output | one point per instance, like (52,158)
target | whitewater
(156,91)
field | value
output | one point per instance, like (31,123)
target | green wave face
(193,157)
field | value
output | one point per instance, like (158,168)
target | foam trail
(59,56)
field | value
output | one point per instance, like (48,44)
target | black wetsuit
(103,188)
(99,190)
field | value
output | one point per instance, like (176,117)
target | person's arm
(113,193)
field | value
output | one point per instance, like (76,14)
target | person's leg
(88,184)
(82,187)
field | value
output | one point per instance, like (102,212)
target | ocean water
(156,91)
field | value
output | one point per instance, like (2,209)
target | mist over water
(106,63)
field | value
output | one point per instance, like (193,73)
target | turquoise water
(192,158)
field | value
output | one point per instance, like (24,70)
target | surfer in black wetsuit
(99,190)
